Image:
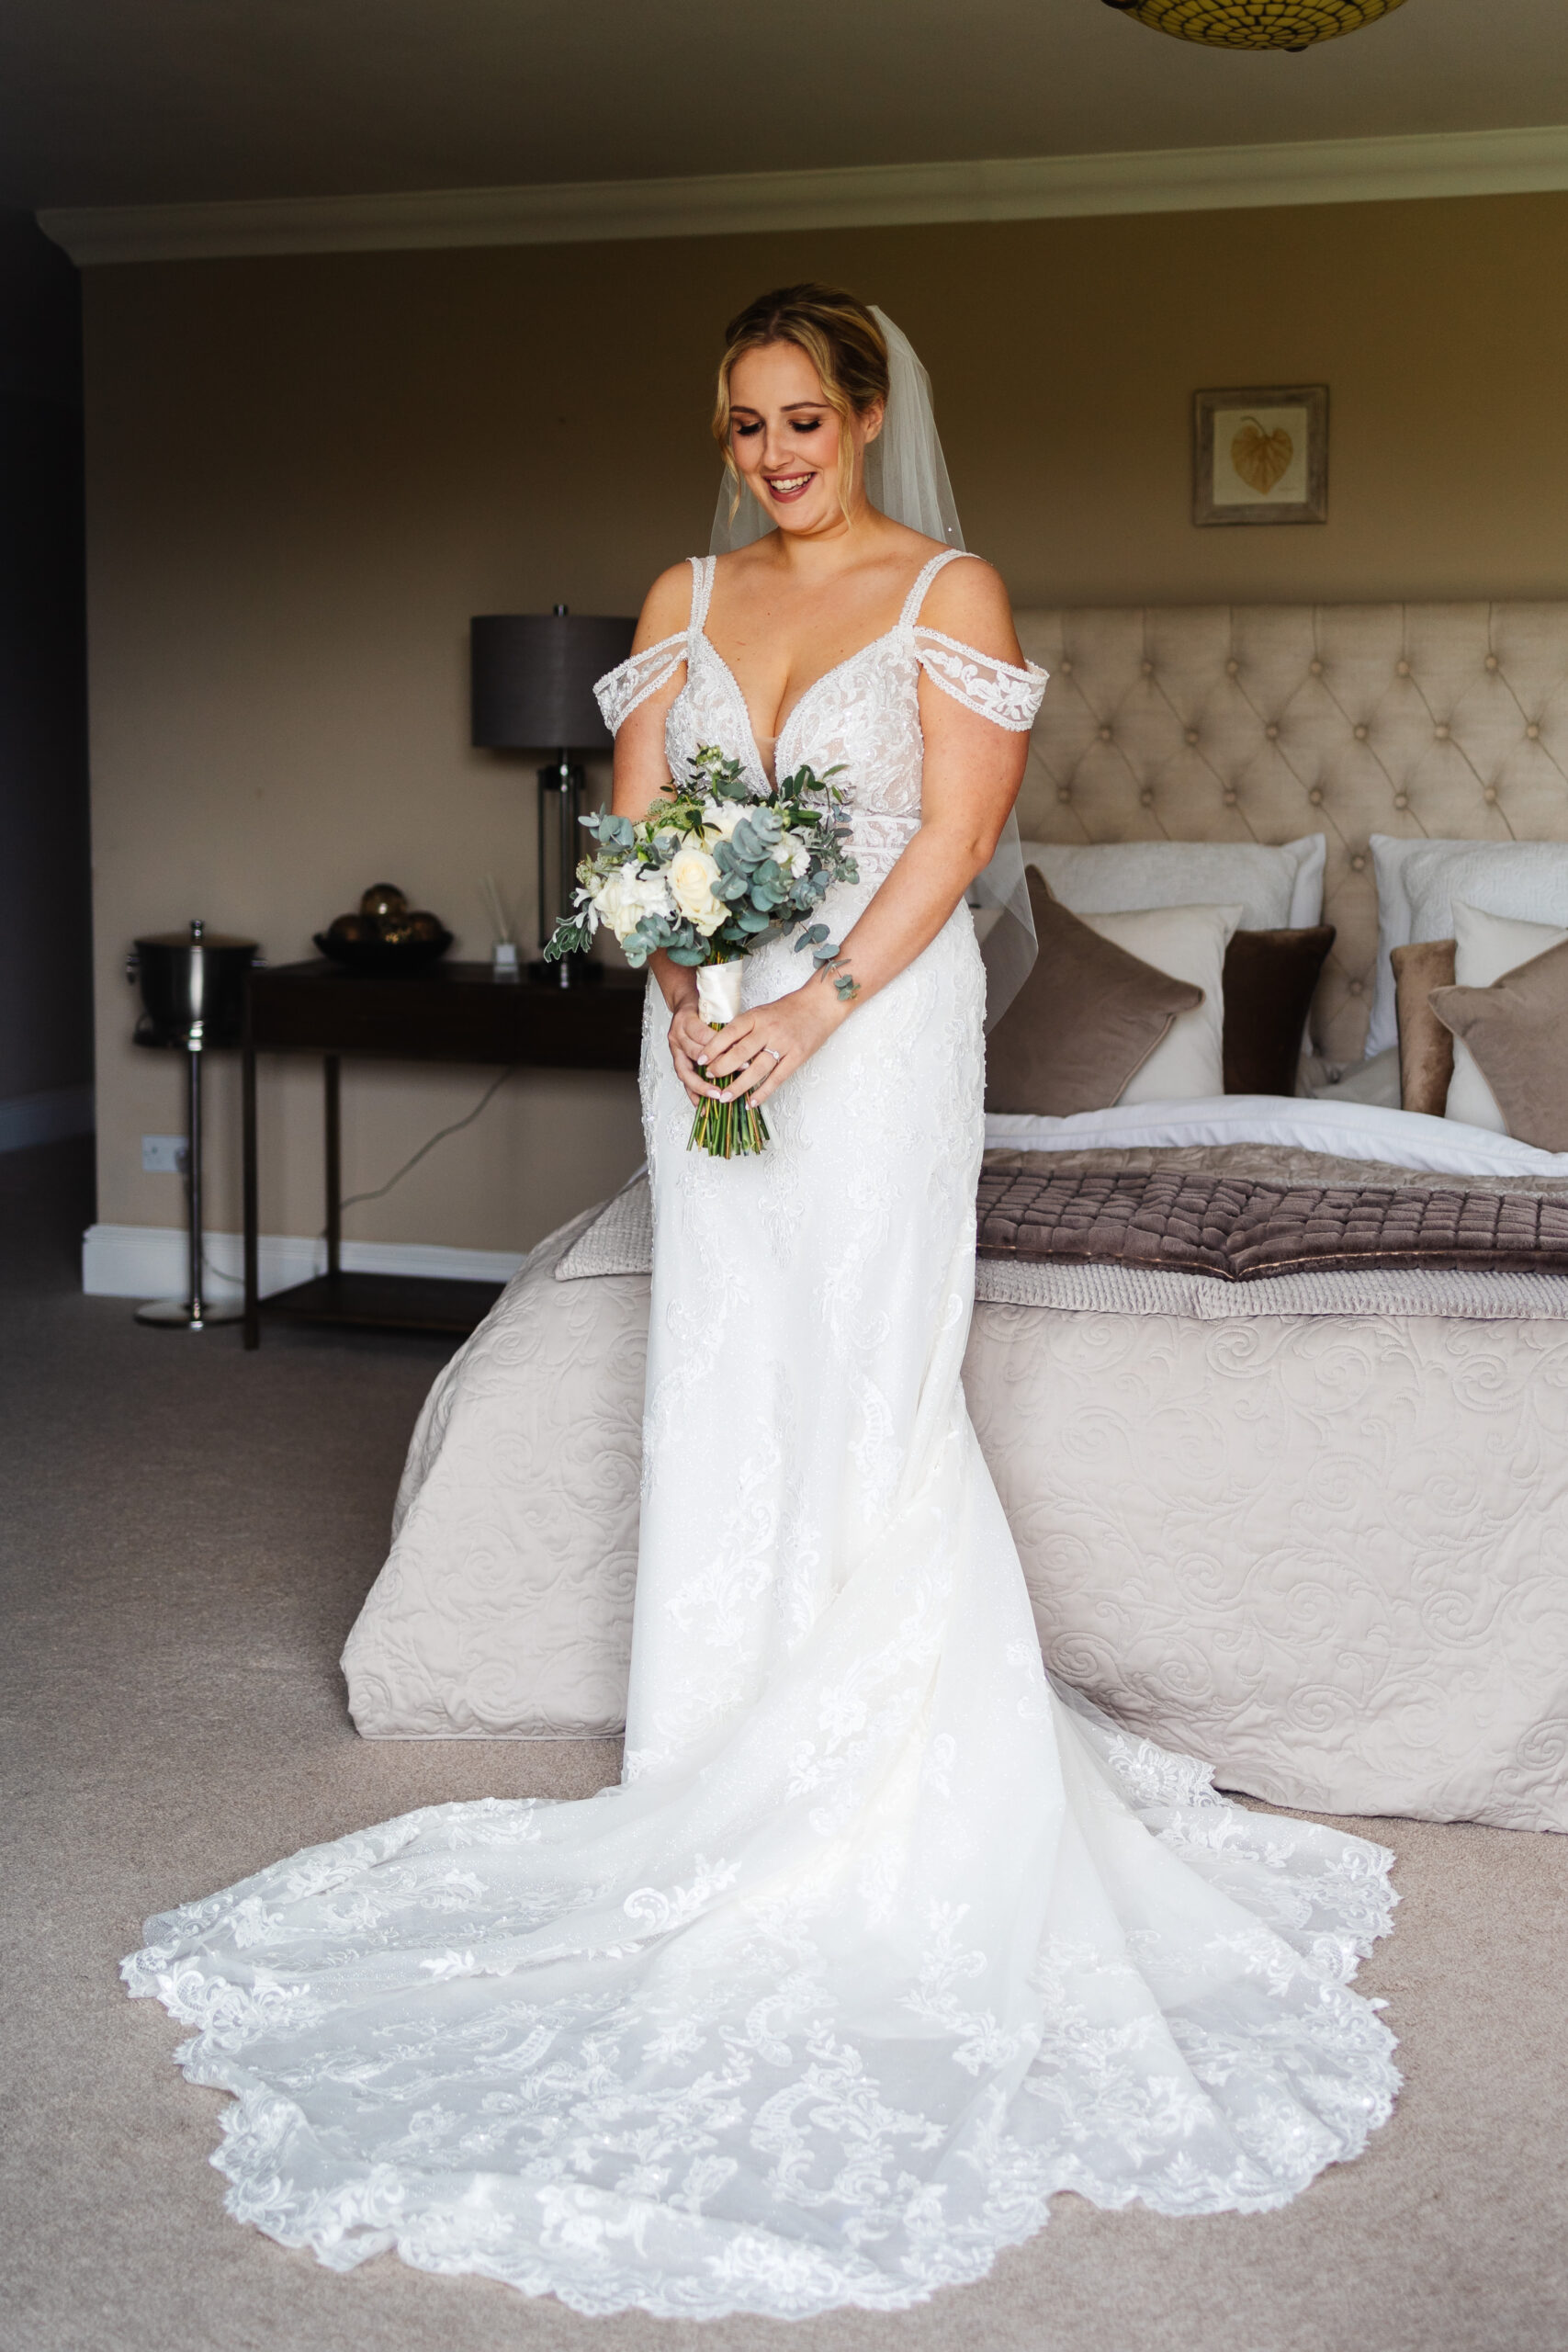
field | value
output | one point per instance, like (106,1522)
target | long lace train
(695,2125)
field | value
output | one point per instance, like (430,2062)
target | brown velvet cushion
(1518,1030)
(1085,1018)
(1426,1049)
(1268,983)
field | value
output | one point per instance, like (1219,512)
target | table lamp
(532,678)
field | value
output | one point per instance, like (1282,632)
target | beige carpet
(187,1532)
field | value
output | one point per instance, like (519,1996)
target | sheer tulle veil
(907,478)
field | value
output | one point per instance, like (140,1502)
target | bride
(883,1940)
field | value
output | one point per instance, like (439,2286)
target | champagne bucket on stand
(193,997)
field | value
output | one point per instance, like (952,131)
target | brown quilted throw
(1238,1230)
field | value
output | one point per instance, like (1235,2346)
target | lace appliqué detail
(992,689)
(620,691)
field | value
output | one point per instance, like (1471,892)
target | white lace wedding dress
(881,1942)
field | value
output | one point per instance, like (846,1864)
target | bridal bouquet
(709,873)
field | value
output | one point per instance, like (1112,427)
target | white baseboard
(27,1119)
(149,1261)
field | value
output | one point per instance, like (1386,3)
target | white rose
(721,817)
(793,856)
(692,874)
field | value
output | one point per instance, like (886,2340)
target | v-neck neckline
(801,699)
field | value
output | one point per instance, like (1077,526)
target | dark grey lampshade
(532,678)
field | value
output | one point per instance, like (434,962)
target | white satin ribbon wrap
(718,992)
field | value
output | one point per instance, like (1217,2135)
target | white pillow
(1418,881)
(1279,889)
(1486,946)
(1187,944)
(1375,1081)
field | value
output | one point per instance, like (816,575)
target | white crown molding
(149,1261)
(1174,179)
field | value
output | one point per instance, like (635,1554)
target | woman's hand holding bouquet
(713,870)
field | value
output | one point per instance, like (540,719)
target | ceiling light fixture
(1255,24)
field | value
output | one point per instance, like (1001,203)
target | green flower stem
(726,1130)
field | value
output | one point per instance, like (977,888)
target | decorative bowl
(397,939)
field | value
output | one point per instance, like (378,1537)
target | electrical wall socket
(162,1155)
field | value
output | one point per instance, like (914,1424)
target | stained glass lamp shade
(1255,24)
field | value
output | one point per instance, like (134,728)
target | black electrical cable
(354,1199)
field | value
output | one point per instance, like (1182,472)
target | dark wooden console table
(451,1013)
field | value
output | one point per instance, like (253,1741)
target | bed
(1310,1522)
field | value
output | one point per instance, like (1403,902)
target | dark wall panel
(46,1037)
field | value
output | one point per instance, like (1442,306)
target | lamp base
(176,1314)
(571,972)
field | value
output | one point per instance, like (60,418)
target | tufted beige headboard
(1262,722)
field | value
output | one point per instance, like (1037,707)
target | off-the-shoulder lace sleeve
(619,691)
(992,689)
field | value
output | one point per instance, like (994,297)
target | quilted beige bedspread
(1325,1549)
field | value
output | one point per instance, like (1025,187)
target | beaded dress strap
(983,683)
(922,581)
(988,686)
(703,570)
(621,690)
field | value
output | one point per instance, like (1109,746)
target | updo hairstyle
(843,342)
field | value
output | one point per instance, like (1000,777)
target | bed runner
(1242,1230)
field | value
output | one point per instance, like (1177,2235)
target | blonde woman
(883,1940)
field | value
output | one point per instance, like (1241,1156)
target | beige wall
(306,474)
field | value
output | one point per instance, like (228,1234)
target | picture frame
(1261,454)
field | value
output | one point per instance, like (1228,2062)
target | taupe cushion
(1517,1030)
(1085,1021)
(1270,978)
(1487,948)
(1425,1048)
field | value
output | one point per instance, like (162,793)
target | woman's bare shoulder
(969,601)
(757,559)
(666,608)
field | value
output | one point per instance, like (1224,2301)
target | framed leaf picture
(1261,454)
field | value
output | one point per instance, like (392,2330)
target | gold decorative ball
(384,898)
(1255,24)
(413,929)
